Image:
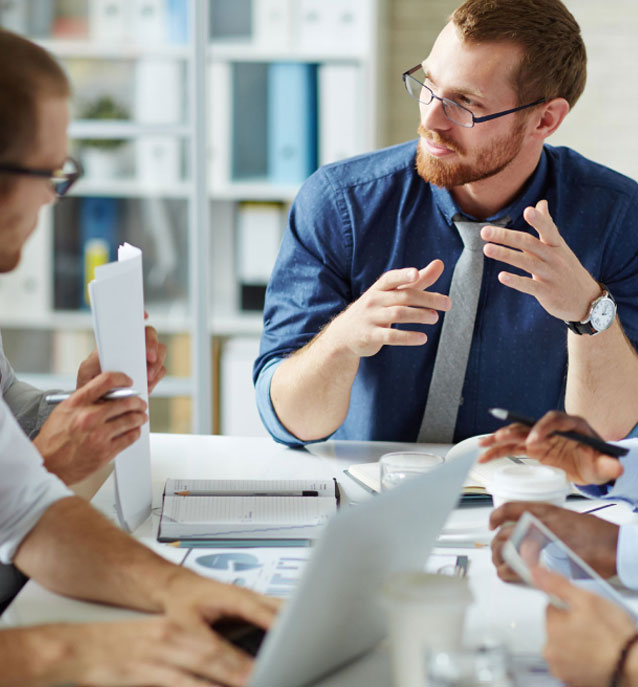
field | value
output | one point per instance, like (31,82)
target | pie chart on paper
(235,562)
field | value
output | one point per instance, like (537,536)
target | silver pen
(112,395)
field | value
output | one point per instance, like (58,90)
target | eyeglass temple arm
(486,118)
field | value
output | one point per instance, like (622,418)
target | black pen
(593,442)
(112,395)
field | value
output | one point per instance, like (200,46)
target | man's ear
(551,116)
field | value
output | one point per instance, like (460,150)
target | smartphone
(532,544)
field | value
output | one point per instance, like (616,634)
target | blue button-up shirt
(354,220)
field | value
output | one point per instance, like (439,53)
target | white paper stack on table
(117,304)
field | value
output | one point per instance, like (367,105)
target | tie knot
(470,232)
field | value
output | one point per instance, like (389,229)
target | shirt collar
(529,196)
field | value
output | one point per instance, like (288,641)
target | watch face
(602,314)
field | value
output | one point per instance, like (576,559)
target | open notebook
(247,512)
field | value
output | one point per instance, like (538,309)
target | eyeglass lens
(417,89)
(65,177)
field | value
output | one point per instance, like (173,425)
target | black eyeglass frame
(475,120)
(60,180)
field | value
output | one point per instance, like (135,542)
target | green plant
(103,108)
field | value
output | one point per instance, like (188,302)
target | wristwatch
(602,313)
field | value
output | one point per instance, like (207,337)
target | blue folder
(292,121)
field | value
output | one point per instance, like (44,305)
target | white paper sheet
(272,571)
(117,304)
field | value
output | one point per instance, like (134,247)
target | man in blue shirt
(352,324)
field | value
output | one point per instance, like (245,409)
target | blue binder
(98,236)
(177,21)
(292,121)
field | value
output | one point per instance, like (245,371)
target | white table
(509,613)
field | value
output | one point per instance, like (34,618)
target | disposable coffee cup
(539,483)
(425,612)
(399,466)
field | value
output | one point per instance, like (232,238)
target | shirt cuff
(267,411)
(627,555)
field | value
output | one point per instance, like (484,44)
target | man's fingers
(512,511)
(556,585)
(152,344)
(429,274)
(125,423)
(501,451)
(555,421)
(523,284)
(395,278)
(540,219)
(98,386)
(608,468)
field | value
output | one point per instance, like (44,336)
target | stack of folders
(230,513)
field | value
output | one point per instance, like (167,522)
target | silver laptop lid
(334,614)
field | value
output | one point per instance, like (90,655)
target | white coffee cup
(425,611)
(398,466)
(540,483)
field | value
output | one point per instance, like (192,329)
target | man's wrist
(588,297)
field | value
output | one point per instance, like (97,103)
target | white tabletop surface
(502,612)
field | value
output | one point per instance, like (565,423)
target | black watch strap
(581,327)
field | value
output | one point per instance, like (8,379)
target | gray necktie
(448,375)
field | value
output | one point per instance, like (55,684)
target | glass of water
(402,465)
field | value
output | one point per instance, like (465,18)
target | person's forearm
(602,381)
(75,551)
(310,391)
(41,655)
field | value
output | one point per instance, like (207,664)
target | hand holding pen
(85,431)
(559,440)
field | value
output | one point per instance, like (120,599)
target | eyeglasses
(453,111)
(61,179)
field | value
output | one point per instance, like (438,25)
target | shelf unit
(208,204)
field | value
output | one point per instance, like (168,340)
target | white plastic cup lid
(529,480)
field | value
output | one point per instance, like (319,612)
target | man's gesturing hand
(83,433)
(558,281)
(397,297)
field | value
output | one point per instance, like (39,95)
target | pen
(235,492)
(112,395)
(237,543)
(593,442)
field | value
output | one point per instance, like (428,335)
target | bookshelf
(207,219)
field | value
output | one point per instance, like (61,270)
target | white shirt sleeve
(627,555)
(27,489)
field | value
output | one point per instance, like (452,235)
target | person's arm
(159,652)
(75,551)
(602,381)
(602,369)
(310,390)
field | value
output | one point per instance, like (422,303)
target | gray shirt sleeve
(25,401)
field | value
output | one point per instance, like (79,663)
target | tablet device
(532,544)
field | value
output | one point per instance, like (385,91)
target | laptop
(334,615)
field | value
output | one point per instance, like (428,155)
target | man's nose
(433,116)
